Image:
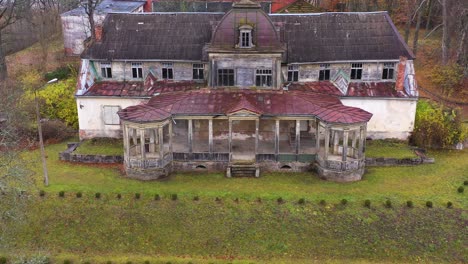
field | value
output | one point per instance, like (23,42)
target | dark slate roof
(108,6)
(272,103)
(200,6)
(308,37)
(166,36)
(341,37)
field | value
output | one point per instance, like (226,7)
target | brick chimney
(148,7)
(400,80)
(98,32)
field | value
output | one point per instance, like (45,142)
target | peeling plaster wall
(76,30)
(90,116)
(392,117)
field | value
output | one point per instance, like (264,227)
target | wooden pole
(190,135)
(210,135)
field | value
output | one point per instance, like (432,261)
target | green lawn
(388,149)
(101,146)
(250,230)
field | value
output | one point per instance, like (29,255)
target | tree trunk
(409,19)
(429,14)
(416,32)
(461,50)
(91,7)
(445,35)
(3,65)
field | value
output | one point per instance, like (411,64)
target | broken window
(388,71)
(226,77)
(263,78)
(356,71)
(324,73)
(167,71)
(137,70)
(106,70)
(198,71)
(293,73)
(110,114)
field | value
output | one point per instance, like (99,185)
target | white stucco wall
(392,117)
(91,119)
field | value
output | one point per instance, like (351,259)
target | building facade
(246,91)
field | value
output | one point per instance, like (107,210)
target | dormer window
(245,37)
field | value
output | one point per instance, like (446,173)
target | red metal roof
(221,102)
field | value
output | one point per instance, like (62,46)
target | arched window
(245,36)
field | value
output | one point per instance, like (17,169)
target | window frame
(167,71)
(137,70)
(356,71)
(324,72)
(388,71)
(106,70)
(198,71)
(293,73)
(226,75)
(113,111)
(263,77)
(245,37)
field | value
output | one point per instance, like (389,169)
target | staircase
(243,170)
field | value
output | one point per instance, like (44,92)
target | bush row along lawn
(433,182)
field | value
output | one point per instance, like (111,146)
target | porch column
(277,139)
(336,141)
(345,145)
(135,140)
(257,124)
(190,135)
(126,142)
(317,136)
(142,143)
(298,136)
(230,139)
(353,143)
(210,135)
(161,144)
(361,142)
(170,136)
(152,135)
(327,142)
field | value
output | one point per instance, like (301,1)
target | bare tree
(419,13)
(10,12)
(445,32)
(90,10)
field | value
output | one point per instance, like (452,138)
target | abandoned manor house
(246,92)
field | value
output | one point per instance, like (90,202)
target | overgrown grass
(388,149)
(101,146)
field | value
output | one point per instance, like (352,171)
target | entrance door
(243,141)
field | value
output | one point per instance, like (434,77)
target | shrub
(448,77)
(449,204)
(409,204)
(62,194)
(323,202)
(465,183)
(119,196)
(60,73)
(388,204)
(429,204)
(196,198)
(137,196)
(280,200)
(146,262)
(3,260)
(301,201)
(461,189)
(218,199)
(157,197)
(42,193)
(98,195)
(79,195)
(55,129)
(436,126)
(367,203)
(67,261)
(344,201)
(236,200)
(174,197)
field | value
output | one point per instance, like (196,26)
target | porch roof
(327,108)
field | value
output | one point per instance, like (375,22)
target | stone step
(243,170)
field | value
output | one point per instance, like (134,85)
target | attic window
(324,73)
(106,70)
(356,71)
(137,70)
(167,71)
(388,71)
(293,73)
(245,36)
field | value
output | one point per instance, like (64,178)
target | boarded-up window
(110,114)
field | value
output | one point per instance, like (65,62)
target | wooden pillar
(277,139)
(327,142)
(152,144)
(170,136)
(317,136)
(161,143)
(126,142)
(190,135)
(230,139)
(353,143)
(210,135)
(257,124)
(135,140)
(298,136)
(345,145)
(361,142)
(142,144)
(336,141)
